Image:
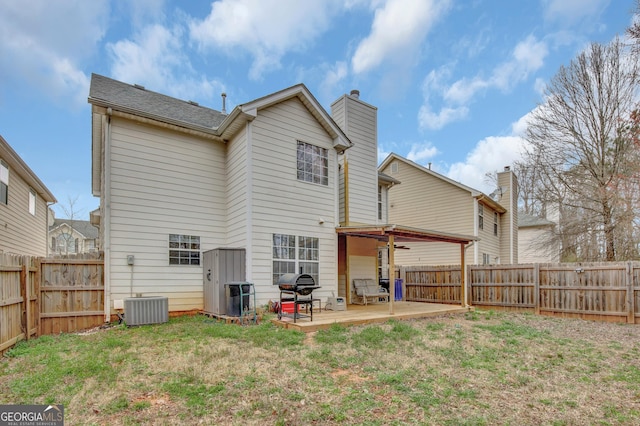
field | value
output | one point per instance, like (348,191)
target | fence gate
(71,294)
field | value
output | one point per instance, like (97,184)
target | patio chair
(368,289)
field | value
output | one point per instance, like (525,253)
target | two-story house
(24,206)
(295,187)
(427,199)
(70,236)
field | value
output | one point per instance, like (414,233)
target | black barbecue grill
(291,287)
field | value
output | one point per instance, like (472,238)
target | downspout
(46,225)
(106,181)
(249,201)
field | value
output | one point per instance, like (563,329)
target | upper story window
(64,243)
(379,202)
(495,223)
(313,163)
(32,202)
(4,182)
(480,216)
(184,249)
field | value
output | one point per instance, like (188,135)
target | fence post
(631,311)
(536,287)
(469,284)
(36,289)
(26,295)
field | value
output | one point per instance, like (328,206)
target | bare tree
(581,151)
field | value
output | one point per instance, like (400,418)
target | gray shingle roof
(82,226)
(130,97)
(526,220)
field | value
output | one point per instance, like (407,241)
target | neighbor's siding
(20,231)
(162,183)
(280,203)
(537,245)
(359,122)
(427,202)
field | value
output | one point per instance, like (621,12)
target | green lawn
(483,368)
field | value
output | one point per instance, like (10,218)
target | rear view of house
(24,206)
(176,179)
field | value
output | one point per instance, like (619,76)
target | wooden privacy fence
(599,291)
(49,295)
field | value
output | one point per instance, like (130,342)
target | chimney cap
(507,168)
(355,93)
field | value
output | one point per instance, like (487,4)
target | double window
(295,255)
(184,249)
(312,164)
(4,182)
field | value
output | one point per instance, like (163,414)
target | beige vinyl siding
(428,202)
(359,122)
(20,231)
(509,224)
(537,244)
(281,204)
(236,184)
(488,242)
(162,183)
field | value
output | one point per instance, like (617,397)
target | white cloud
(569,12)
(434,121)
(266,29)
(422,153)
(155,59)
(491,154)
(527,57)
(42,39)
(397,31)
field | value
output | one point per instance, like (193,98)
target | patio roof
(403,234)
(400,233)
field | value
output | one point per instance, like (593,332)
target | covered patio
(369,314)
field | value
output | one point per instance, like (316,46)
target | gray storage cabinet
(221,266)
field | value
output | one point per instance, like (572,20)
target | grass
(482,368)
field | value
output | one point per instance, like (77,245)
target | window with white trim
(313,163)
(480,216)
(184,249)
(486,258)
(32,202)
(495,223)
(295,255)
(4,182)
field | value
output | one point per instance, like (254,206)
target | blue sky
(453,80)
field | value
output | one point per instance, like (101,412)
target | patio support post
(392,274)
(463,298)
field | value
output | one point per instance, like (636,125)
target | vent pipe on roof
(355,94)
(224,103)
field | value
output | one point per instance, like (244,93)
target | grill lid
(296,280)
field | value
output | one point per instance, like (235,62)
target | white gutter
(249,210)
(106,220)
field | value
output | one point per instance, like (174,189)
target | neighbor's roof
(84,227)
(404,234)
(17,165)
(529,221)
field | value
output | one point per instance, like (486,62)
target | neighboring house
(296,188)
(429,200)
(537,240)
(24,210)
(69,236)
